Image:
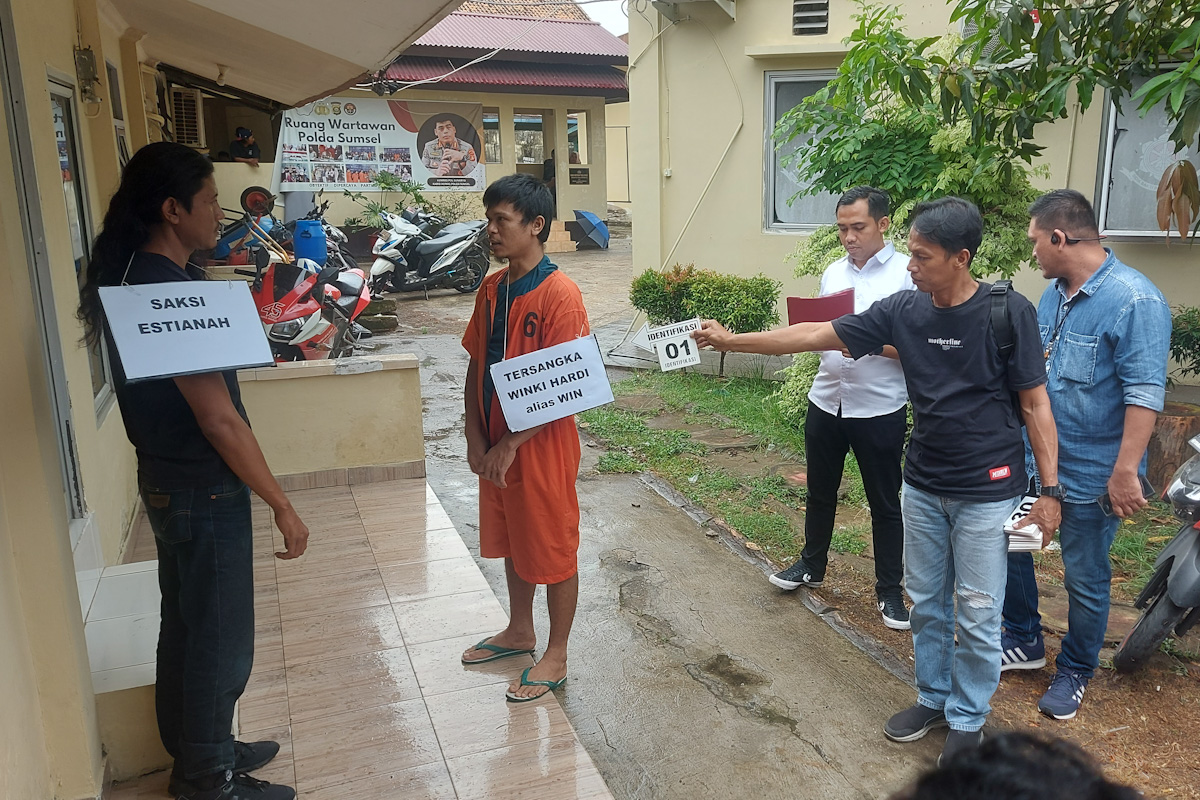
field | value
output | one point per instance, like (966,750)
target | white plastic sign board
(552,383)
(675,345)
(641,339)
(163,330)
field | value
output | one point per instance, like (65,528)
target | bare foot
(505,638)
(552,667)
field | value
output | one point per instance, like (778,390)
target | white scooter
(409,259)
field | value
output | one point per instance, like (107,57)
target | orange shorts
(535,521)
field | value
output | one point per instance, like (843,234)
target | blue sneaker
(1064,696)
(1016,654)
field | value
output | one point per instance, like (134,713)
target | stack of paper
(1028,538)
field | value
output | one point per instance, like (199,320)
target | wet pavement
(691,676)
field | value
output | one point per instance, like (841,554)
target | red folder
(820,309)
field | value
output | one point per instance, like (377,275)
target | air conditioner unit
(668,8)
(998,7)
(187,113)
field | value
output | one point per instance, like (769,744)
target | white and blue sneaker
(1016,654)
(1064,696)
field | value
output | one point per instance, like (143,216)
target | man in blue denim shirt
(1106,332)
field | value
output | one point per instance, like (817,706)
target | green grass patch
(850,539)
(1138,542)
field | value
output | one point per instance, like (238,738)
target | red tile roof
(588,79)
(551,9)
(492,31)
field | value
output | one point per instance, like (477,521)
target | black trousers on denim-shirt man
(206,640)
(878,445)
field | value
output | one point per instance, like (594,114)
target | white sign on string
(675,345)
(641,339)
(551,383)
(163,330)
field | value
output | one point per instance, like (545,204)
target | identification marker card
(1029,538)
(675,345)
(552,383)
(164,330)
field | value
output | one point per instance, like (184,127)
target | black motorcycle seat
(443,241)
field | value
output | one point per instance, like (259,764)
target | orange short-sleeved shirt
(535,521)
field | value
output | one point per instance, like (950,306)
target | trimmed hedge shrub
(740,304)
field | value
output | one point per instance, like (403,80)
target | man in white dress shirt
(860,406)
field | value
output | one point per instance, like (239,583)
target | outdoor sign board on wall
(163,330)
(551,383)
(578,176)
(343,143)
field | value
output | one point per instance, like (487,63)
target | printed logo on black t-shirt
(999,473)
(947,344)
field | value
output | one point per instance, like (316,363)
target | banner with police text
(344,143)
(163,330)
(552,383)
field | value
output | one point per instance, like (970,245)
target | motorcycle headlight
(285,331)
(1184,489)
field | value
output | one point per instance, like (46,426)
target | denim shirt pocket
(1077,357)
(169,513)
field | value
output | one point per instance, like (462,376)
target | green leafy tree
(878,122)
(1019,67)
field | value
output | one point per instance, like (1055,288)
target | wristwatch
(1057,491)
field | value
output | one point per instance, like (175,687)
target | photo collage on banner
(344,143)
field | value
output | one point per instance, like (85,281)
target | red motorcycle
(308,312)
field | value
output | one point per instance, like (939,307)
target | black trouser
(878,444)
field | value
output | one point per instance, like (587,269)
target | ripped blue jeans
(956,554)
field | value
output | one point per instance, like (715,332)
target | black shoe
(913,723)
(247,757)
(795,576)
(895,613)
(241,787)
(958,742)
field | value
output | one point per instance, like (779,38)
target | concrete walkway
(691,676)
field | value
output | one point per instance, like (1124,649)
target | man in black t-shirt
(244,148)
(965,468)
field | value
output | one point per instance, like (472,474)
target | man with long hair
(198,461)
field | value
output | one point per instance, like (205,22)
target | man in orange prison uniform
(528,509)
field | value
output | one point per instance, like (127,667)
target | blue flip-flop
(512,698)
(498,652)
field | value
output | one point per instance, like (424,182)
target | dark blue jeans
(1086,534)
(206,642)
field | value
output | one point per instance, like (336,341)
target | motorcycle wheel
(472,276)
(1151,629)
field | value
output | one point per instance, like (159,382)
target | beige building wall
(24,766)
(617,137)
(696,202)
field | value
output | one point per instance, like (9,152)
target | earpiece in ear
(1054,238)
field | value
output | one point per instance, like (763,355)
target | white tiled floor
(357,667)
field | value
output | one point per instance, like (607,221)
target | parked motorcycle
(1171,599)
(307,311)
(418,252)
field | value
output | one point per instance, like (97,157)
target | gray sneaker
(958,742)
(913,723)
(795,576)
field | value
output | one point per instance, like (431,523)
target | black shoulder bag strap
(1002,330)
(1001,323)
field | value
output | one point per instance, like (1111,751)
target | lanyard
(1048,347)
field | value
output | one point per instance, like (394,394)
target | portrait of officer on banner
(445,154)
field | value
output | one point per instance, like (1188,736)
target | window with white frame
(62,107)
(1136,152)
(784,91)
(491,136)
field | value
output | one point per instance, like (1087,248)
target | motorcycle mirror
(262,258)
